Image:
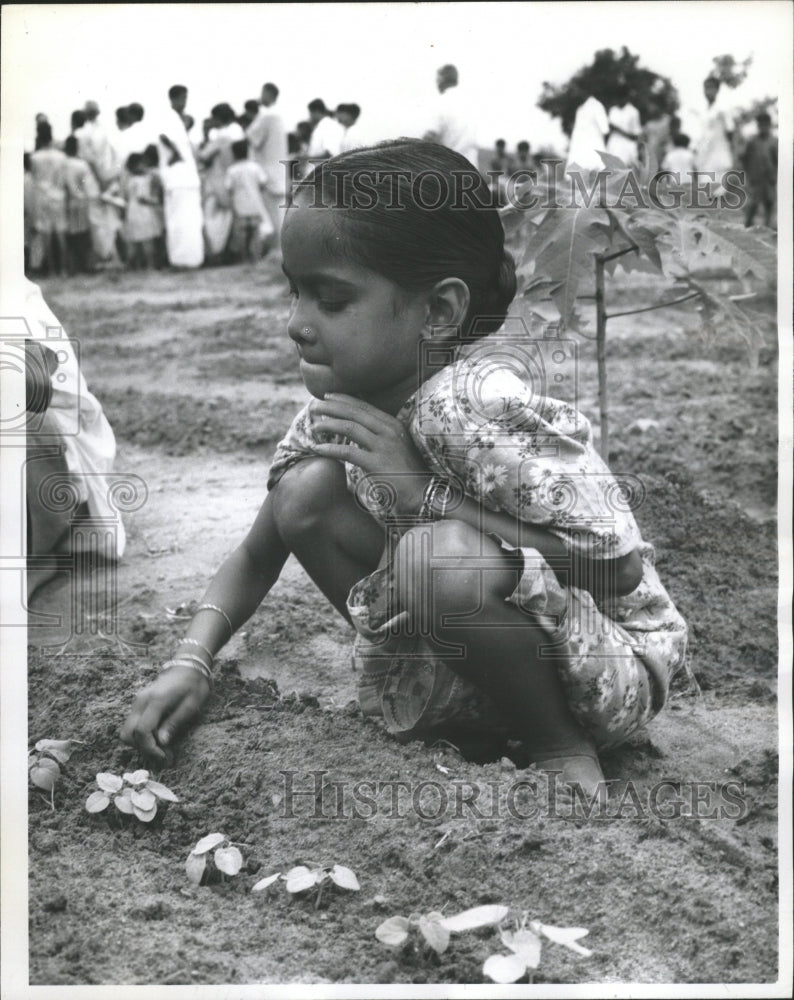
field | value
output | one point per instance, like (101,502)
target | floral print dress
(483,423)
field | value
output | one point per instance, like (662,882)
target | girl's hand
(380,445)
(163,708)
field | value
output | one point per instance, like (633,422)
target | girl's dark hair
(417,213)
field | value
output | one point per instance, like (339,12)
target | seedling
(304,879)
(435,928)
(525,945)
(44,764)
(225,858)
(133,794)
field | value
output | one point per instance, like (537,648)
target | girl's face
(356,332)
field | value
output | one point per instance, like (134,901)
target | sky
(383,56)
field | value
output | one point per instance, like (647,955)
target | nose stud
(306,331)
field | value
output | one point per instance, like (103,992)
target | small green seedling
(44,764)
(525,944)
(304,878)
(226,858)
(435,928)
(133,794)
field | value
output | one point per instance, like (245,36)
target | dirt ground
(198,379)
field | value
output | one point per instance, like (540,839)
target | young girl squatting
(455,514)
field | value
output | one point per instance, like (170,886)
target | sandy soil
(198,379)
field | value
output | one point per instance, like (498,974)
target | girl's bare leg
(335,541)
(454,581)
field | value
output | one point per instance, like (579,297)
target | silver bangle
(214,607)
(190,661)
(195,642)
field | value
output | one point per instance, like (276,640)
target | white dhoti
(183,217)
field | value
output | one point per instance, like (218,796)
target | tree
(603,79)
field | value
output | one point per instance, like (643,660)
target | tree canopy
(605,78)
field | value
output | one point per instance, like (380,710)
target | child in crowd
(680,159)
(82,189)
(461,520)
(48,169)
(151,160)
(759,161)
(143,222)
(246,183)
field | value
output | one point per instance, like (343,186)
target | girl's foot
(575,769)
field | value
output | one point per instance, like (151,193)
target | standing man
(327,133)
(450,124)
(267,140)
(589,135)
(183,217)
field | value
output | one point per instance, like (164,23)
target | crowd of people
(151,192)
(715,146)
(148,193)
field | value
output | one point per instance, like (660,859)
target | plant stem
(620,253)
(601,337)
(659,305)
(319,896)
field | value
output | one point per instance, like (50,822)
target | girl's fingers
(344,453)
(368,416)
(348,428)
(185,712)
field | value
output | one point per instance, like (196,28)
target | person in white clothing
(267,140)
(183,217)
(327,133)
(680,159)
(70,444)
(714,124)
(589,135)
(451,121)
(624,130)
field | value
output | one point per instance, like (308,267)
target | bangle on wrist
(190,661)
(436,499)
(200,645)
(220,611)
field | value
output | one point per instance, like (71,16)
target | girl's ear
(447,307)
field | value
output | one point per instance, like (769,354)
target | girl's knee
(304,496)
(454,566)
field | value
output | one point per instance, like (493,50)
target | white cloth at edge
(451,124)
(627,118)
(89,442)
(588,136)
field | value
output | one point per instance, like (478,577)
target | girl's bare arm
(239,587)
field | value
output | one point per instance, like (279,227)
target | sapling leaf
(524,943)
(124,804)
(435,933)
(393,931)
(228,860)
(143,800)
(345,878)
(208,842)
(144,815)
(161,791)
(194,866)
(44,774)
(567,936)
(301,878)
(265,882)
(61,750)
(136,777)
(109,782)
(504,968)
(96,802)
(478,916)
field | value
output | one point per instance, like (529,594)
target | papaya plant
(435,928)
(571,233)
(524,946)
(213,853)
